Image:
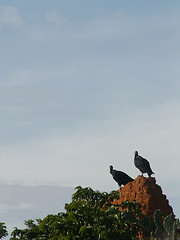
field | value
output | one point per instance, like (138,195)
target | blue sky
(83,85)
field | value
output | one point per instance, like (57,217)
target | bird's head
(111,168)
(136,153)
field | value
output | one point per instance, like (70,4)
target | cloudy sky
(83,85)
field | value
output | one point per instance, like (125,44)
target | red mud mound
(146,192)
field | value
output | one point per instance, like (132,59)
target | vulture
(120,177)
(142,164)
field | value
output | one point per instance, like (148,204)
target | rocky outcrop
(146,192)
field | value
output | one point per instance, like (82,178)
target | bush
(91,215)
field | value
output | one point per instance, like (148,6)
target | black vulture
(120,177)
(142,164)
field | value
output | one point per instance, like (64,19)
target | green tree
(91,215)
(3,231)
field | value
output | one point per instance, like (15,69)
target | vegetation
(93,215)
(167,228)
(3,231)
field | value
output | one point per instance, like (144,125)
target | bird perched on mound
(142,164)
(120,177)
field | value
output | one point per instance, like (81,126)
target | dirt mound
(146,192)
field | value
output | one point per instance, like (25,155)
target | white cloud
(10,16)
(83,158)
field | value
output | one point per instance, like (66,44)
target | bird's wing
(116,175)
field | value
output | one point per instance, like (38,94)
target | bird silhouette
(120,177)
(142,164)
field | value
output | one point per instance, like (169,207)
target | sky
(19,203)
(83,85)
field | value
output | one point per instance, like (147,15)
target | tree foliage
(3,231)
(91,215)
